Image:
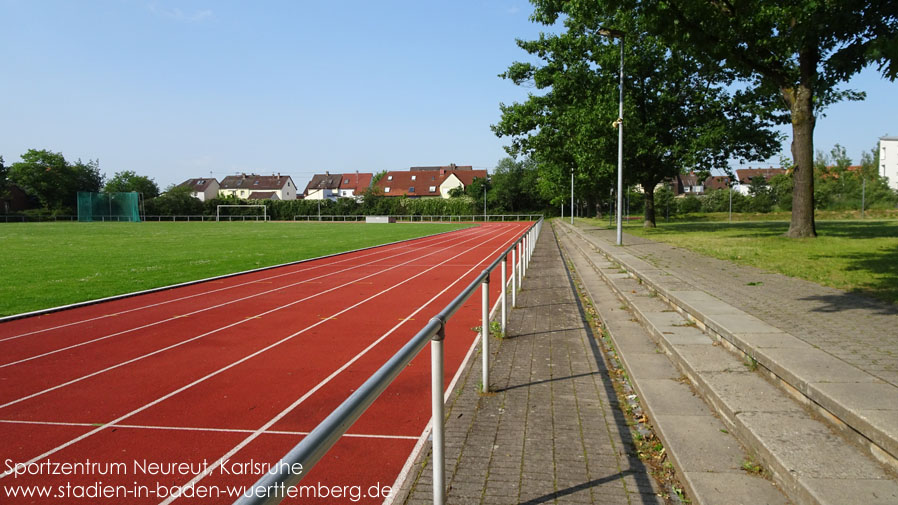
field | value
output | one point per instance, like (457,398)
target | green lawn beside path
(50,264)
(857,255)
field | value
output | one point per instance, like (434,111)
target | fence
(427,218)
(27,218)
(272,487)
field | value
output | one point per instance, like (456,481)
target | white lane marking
(104,316)
(236,323)
(229,302)
(198,477)
(212,374)
(200,429)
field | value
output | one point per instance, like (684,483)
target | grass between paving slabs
(646,445)
(51,264)
(858,255)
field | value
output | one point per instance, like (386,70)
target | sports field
(196,391)
(52,264)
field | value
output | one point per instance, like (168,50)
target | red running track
(197,388)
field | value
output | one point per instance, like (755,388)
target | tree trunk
(649,221)
(800,101)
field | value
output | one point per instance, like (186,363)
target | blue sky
(179,89)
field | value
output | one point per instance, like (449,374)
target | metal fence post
(504,289)
(514,277)
(439,439)
(485,333)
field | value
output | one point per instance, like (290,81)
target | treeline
(51,183)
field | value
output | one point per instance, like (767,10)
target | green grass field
(856,255)
(51,264)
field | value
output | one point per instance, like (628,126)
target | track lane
(359,373)
(83,363)
(119,316)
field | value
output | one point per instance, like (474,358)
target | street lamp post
(617,34)
(572,197)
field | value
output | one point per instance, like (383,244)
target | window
(414,176)
(433,189)
(345,181)
(411,189)
(201,182)
(387,189)
(256,182)
(389,177)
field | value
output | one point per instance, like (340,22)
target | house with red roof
(428,181)
(354,185)
(745,175)
(204,189)
(255,187)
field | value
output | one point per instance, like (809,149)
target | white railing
(273,487)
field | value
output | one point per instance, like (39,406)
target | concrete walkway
(804,375)
(553,430)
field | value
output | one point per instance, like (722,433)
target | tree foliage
(128,180)
(790,54)
(677,111)
(51,179)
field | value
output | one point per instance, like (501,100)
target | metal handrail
(273,487)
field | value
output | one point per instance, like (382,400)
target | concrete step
(811,460)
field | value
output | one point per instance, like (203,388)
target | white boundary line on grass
(190,283)
(195,295)
(229,302)
(223,369)
(228,326)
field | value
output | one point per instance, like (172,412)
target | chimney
(442,171)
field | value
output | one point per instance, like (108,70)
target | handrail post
(485,333)
(438,415)
(514,277)
(504,289)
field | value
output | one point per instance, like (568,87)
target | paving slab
(804,333)
(693,437)
(552,430)
(793,443)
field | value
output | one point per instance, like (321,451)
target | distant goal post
(231,218)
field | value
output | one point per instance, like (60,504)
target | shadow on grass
(838,229)
(881,268)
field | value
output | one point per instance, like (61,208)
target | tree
(127,180)
(677,111)
(761,196)
(54,181)
(792,55)
(177,200)
(515,186)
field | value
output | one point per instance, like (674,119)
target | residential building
(744,177)
(428,181)
(263,195)
(324,186)
(688,184)
(353,185)
(244,185)
(888,160)
(16,200)
(204,189)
